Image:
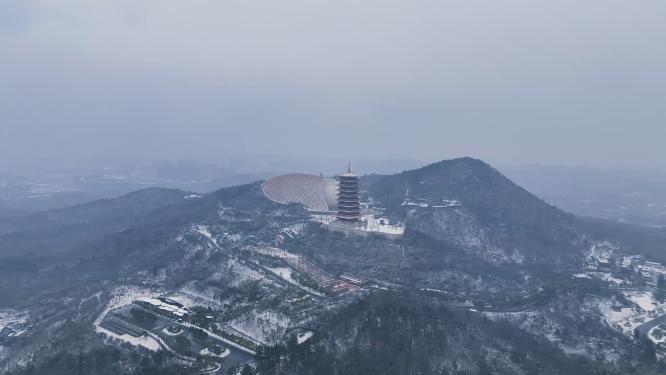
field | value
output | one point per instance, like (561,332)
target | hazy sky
(513,82)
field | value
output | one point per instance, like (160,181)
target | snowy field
(627,319)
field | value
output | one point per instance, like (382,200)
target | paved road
(646,327)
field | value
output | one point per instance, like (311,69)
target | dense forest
(106,361)
(390,333)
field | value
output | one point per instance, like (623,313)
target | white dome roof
(331,193)
(314,192)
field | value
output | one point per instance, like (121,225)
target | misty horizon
(325,187)
(515,83)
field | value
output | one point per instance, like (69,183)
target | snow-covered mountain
(488,278)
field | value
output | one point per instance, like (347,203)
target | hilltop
(489,214)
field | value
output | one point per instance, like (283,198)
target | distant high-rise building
(349,196)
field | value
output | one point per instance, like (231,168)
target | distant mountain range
(633,196)
(40,189)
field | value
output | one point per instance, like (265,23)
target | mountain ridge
(475,243)
(492,209)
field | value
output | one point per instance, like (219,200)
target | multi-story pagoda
(349,196)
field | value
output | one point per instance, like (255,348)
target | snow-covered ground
(658,339)
(166,307)
(144,341)
(236,237)
(206,352)
(323,219)
(8,316)
(432,290)
(303,337)
(368,223)
(169,333)
(191,295)
(276,253)
(516,317)
(644,300)
(605,276)
(187,299)
(122,296)
(267,327)
(284,272)
(96,296)
(294,230)
(242,273)
(204,231)
(602,250)
(626,319)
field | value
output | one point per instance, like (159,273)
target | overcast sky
(513,82)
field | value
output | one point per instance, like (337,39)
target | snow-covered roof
(178,311)
(152,301)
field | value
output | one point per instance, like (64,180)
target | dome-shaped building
(314,192)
